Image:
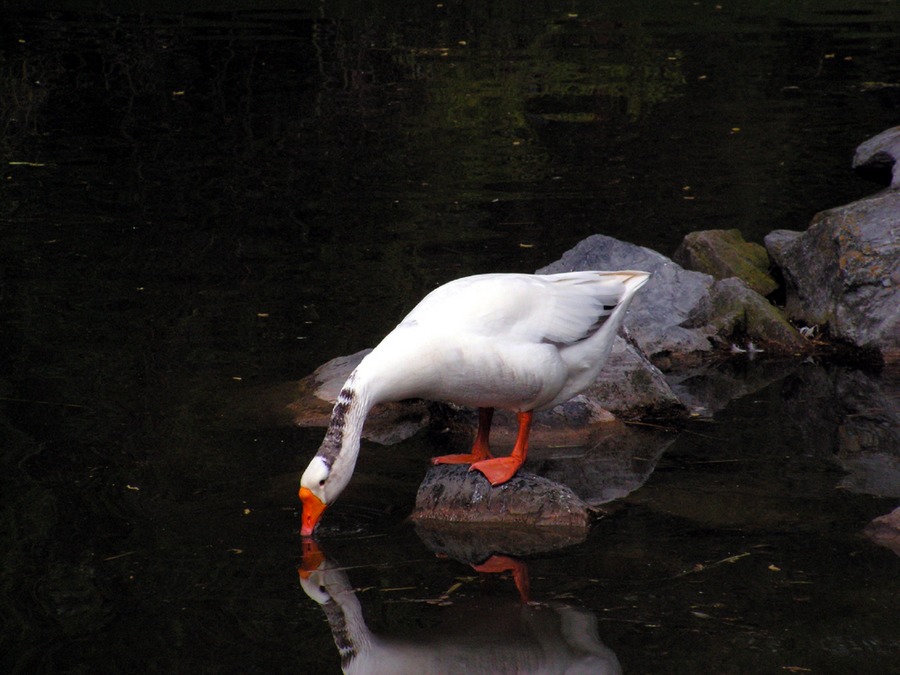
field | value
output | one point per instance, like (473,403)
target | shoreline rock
(842,275)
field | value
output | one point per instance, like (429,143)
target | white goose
(516,341)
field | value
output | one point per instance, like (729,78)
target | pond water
(195,208)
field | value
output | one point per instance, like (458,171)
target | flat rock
(724,254)
(453,494)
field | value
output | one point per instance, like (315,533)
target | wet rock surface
(453,494)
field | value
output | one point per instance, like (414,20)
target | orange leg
(501,469)
(480,449)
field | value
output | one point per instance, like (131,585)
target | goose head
(320,485)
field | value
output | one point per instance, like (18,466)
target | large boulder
(843,273)
(724,254)
(662,305)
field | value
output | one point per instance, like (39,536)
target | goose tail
(586,358)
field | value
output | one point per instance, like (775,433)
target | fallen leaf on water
(453,588)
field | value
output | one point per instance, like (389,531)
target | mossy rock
(733,310)
(724,254)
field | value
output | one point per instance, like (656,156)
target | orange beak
(312,511)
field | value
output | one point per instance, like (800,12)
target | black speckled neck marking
(334,437)
(341,632)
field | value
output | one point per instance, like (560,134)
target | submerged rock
(851,417)
(453,494)
(724,254)
(617,462)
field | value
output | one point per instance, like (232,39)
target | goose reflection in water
(476,636)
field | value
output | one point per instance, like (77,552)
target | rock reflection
(472,635)
(851,416)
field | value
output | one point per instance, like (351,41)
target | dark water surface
(194,207)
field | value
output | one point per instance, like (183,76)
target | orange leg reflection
(497,564)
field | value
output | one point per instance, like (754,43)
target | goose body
(521,342)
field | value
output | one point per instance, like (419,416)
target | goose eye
(322,482)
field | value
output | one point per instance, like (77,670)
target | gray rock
(778,242)
(681,316)
(878,157)
(631,387)
(725,254)
(844,272)
(663,304)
